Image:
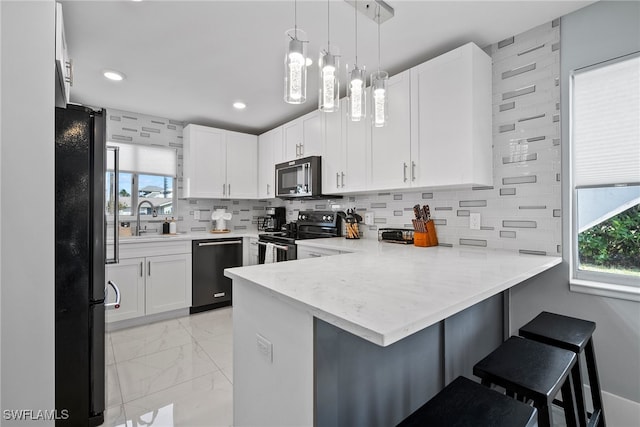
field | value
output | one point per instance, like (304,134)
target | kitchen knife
(416,211)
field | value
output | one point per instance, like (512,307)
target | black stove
(310,225)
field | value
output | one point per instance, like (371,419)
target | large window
(605,149)
(146,173)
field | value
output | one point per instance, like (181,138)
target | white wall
(27,206)
(598,32)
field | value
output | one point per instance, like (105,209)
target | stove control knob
(324,217)
(329,217)
(303,217)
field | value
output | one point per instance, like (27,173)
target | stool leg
(544,414)
(579,391)
(568,402)
(594,381)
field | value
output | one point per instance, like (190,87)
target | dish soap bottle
(165,226)
(172,226)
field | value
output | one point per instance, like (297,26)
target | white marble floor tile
(109,357)
(158,371)
(220,349)
(151,330)
(209,324)
(204,401)
(114,395)
(115,417)
(126,348)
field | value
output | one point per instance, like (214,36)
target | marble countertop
(384,292)
(199,235)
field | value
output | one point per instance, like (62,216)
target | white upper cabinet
(219,163)
(242,165)
(269,153)
(64,73)
(391,158)
(303,136)
(344,157)
(205,161)
(452,119)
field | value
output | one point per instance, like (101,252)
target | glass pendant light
(295,69)
(356,91)
(329,85)
(379,98)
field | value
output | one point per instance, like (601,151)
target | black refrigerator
(80,265)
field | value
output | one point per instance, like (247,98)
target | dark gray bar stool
(531,370)
(575,335)
(465,403)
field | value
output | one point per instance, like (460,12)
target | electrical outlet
(265,348)
(196,214)
(474,221)
(369,218)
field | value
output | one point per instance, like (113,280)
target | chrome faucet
(153,211)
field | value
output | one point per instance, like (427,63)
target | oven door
(293,180)
(284,251)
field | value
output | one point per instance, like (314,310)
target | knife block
(427,238)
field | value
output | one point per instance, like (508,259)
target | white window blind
(145,159)
(606,124)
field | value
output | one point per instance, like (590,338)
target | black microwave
(300,178)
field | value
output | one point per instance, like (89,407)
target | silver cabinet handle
(115,304)
(230,242)
(337,180)
(342,179)
(405,172)
(268,189)
(219,294)
(141,273)
(149,269)
(229,190)
(254,243)
(301,149)
(224,189)
(413,171)
(283,248)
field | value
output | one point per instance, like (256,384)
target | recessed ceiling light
(239,105)
(113,75)
(308,62)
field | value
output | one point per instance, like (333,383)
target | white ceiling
(190,60)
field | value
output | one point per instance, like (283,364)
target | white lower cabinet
(253,251)
(168,282)
(150,284)
(128,274)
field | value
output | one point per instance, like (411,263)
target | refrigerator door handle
(115,304)
(116,199)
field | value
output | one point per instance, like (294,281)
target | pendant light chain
(328,28)
(356,19)
(379,37)
(295,17)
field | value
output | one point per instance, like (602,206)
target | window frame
(593,282)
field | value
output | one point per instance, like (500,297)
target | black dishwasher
(210,289)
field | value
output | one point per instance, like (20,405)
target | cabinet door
(391,145)
(168,283)
(292,140)
(268,145)
(311,134)
(454,118)
(333,154)
(355,138)
(253,251)
(204,162)
(128,275)
(242,166)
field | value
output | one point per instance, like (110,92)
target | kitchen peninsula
(365,338)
